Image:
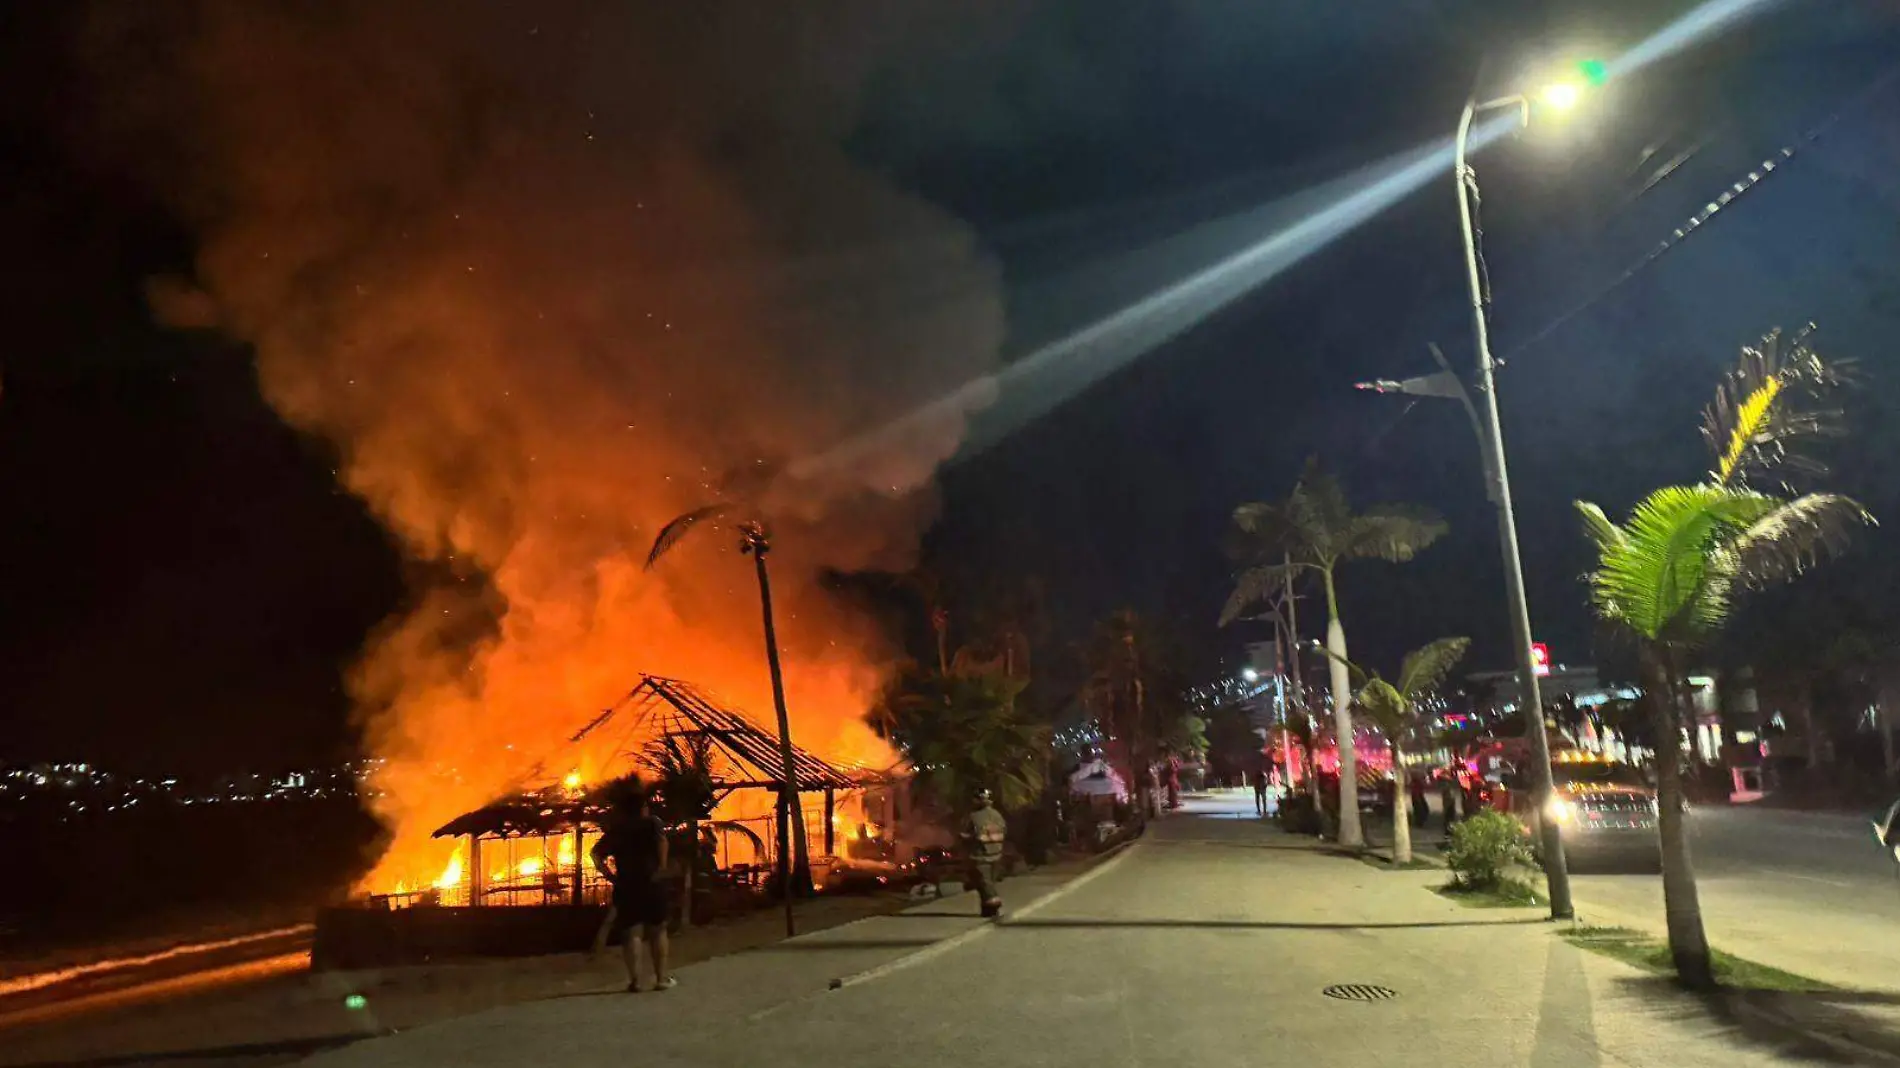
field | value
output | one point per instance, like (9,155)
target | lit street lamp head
(1561,96)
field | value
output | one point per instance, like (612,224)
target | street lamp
(1562,96)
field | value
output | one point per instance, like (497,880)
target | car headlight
(1559,810)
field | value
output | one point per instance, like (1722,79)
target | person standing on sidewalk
(1259,793)
(631,853)
(983,835)
(1448,799)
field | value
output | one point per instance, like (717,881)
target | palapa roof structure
(744,755)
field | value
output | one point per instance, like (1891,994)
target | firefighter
(983,835)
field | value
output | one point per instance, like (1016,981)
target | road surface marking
(938,949)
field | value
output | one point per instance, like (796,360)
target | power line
(1774,162)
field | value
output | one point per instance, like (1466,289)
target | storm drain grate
(1359,992)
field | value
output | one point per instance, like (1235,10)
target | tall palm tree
(1311,533)
(1669,576)
(1394,708)
(794,856)
(1117,693)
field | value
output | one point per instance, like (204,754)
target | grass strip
(1651,954)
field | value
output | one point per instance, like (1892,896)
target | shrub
(1298,815)
(1483,850)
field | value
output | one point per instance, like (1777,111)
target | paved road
(1809,892)
(1209,942)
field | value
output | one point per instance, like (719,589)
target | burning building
(529,851)
(535,281)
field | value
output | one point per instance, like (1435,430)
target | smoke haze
(544,276)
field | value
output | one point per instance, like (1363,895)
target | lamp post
(1491,439)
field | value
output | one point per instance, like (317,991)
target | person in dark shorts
(631,853)
(983,835)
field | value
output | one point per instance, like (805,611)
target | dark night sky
(176,565)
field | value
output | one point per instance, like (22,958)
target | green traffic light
(1594,71)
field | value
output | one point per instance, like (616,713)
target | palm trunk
(1349,832)
(1401,808)
(1682,908)
(794,866)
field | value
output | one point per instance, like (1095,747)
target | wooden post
(831,829)
(580,864)
(474,870)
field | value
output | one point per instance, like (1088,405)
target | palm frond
(671,533)
(1394,532)
(1602,531)
(1672,574)
(1793,536)
(1316,513)
(682,777)
(1658,579)
(1385,705)
(1767,406)
(1358,674)
(1259,533)
(1256,585)
(1425,667)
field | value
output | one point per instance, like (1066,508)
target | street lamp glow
(1562,96)
(1250,674)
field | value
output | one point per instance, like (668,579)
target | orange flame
(451,876)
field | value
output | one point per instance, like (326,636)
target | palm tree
(961,732)
(1312,532)
(1670,575)
(1394,708)
(687,793)
(1117,693)
(794,857)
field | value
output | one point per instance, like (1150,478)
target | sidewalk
(1500,971)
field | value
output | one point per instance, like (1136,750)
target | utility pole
(1280,651)
(1556,871)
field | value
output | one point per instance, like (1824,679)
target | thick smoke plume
(545,276)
